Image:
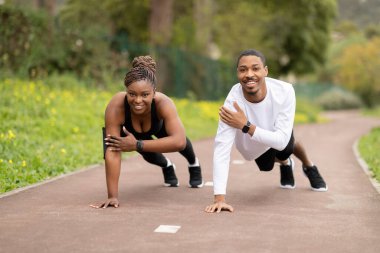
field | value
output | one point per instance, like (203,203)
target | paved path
(55,217)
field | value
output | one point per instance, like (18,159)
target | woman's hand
(234,119)
(123,144)
(108,203)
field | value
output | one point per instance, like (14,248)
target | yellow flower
(1,160)
(63,151)
(75,130)
(11,135)
(10,161)
(53,111)
(23,163)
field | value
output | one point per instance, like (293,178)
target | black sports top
(157,125)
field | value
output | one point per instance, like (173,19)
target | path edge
(47,181)
(365,167)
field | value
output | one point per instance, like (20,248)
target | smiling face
(140,95)
(251,73)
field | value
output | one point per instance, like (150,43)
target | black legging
(160,160)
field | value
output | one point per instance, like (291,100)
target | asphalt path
(56,217)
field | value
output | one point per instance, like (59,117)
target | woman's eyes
(144,95)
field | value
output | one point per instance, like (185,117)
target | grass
(369,146)
(50,129)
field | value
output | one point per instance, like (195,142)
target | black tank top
(155,127)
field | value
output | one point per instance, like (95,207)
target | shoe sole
(171,185)
(320,189)
(291,187)
(316,189)
(288,186)
(197,186)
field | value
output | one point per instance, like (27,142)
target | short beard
(252,93)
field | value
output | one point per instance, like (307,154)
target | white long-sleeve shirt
(273,118)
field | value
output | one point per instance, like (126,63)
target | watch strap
(139,145)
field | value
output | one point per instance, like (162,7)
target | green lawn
(48,130)
(369,146)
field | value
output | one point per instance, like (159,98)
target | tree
(359,70)
(160,30)
(293,34)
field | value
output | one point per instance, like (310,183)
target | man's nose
(250,73)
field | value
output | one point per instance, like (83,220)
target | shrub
(338,99)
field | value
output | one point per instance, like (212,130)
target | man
(258,117)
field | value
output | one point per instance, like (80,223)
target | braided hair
(143,68)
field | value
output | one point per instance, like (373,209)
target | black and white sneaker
(196,180)
(287,178)
(169,176)
(316,181)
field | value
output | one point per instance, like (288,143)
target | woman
(132,118)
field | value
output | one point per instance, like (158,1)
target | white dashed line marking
(172,229)
(238,162)
(209,183)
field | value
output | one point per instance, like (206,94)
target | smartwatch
(245,128)
(139,145)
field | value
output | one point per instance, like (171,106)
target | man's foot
(287,178)
(169,176)
(195,177)
(316,181)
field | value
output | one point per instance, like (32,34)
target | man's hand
(108,203)
(219,205)
(123,144)
(234,119)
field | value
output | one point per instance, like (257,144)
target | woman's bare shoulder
(164,104)
(162,98)
(115,108)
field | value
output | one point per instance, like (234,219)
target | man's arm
(224,140)
(283,126)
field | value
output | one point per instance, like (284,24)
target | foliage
(72,42)
(359,70)
(292,34)
(21,38)
(47,131)
(338,99)
(307,112)
(362,13)
(369,145)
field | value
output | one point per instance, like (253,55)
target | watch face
(245,128)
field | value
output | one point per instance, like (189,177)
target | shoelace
(313,173)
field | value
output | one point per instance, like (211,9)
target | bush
(338,99)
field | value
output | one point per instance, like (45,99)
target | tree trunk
(203,12)
(160,29)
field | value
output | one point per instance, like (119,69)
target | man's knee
(266,166)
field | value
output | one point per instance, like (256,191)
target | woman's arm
(175,141)
(113,117)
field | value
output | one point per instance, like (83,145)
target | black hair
(251,52)
(143,68)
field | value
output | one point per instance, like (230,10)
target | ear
(266,70)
